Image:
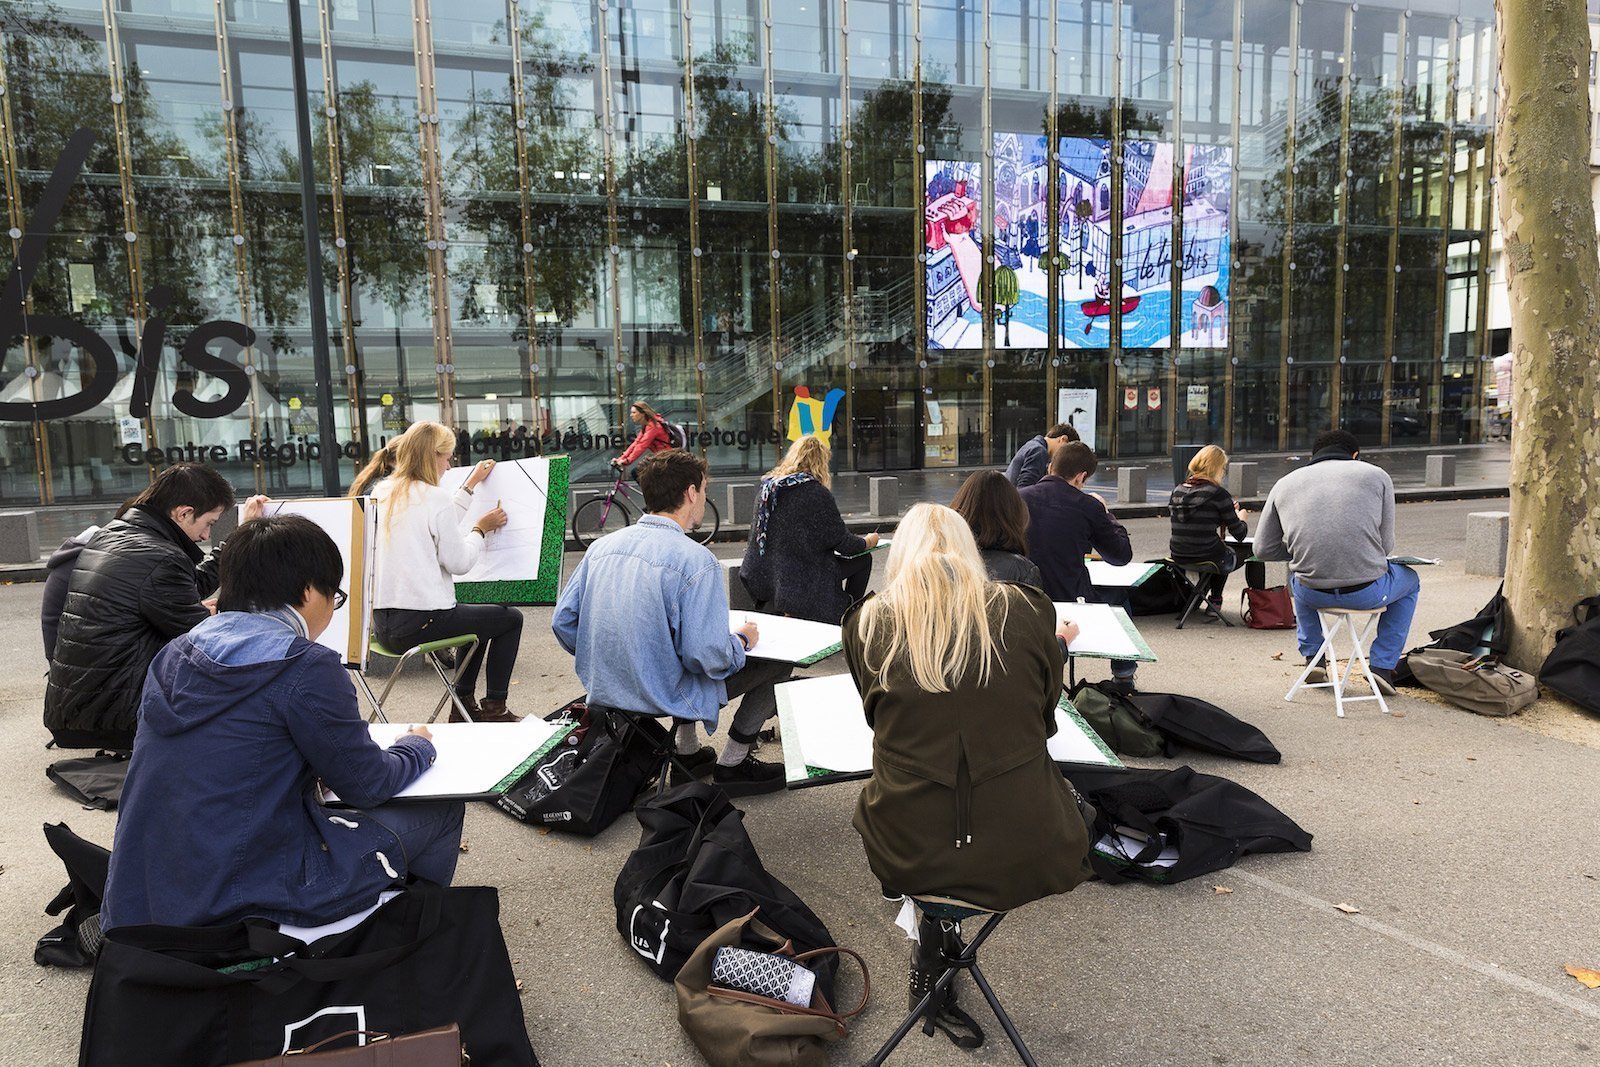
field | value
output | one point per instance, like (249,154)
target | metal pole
(332,485)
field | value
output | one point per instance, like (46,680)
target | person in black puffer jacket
(999,520)
(137,584)
(801,560)
(1201,509)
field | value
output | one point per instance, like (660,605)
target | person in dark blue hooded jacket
(241,722)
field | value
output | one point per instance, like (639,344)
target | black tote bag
(75,942)
(1197,724)
(582,789)
(1209,821)
(209,996)
(696,870)
(1572,669)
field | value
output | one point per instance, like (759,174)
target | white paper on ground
(833,729)
(1072,745)
(785,639)
(511,553)
(1101,631)
(473,756)
(1124,577)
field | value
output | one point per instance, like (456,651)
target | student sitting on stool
(646,615)
(1201,508)
(959,677)
(222,816)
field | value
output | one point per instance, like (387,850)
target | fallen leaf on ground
(544,831)
(1277,655)
(465,847)
(1588,977)
(519,985)
(1220,889)
(1348,909)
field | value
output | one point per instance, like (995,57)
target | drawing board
(1127,576)
(521,561)
(1106,632)
(477,760)
(352,523)
(826,737)
(788,640)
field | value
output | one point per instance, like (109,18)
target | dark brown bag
(732,1028)
(1267,609)
(439,1047)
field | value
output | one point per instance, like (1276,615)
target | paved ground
(1470,846)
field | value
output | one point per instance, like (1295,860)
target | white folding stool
(1334,622)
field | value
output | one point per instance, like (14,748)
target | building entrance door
(887,429)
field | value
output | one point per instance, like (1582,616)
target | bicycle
(606,514)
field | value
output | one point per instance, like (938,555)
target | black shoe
(1383,680)
(749,778)
(1318,674)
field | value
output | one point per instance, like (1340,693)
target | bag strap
(375,1036)
(1244,607)
(783,1006)
(430,900)
(866,976)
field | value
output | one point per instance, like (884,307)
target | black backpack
(76,942)
(582,786)
(677,433)
(1163,593)
(1486,633)
(696,870)
(1572,669)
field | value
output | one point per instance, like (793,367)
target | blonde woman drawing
(959,677)
(421,548)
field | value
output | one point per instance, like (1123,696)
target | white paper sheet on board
(473,756)
(1101,631)
(784,639)
(833,729)
(511,553)
(353,526)
(1072,745)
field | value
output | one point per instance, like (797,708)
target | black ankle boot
(927,966)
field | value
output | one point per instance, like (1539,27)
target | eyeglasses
(340,598)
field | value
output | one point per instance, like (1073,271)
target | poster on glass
(953,235)
(1146,244)
(1021,233)
(1084,242)
(1207,203)
(1078,408)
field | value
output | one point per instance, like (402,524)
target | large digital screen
(953,235)
(1021,237)
(1207,254)
(1084,242)
(1146,244)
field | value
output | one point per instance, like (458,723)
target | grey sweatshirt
(1333,520)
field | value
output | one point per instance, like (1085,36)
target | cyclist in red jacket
(652,436)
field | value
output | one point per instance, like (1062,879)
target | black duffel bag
(75,942)
(1195,723)
(209,996)
(581,788)
(1572,669)
(696,870)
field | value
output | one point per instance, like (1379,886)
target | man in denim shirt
(646,615)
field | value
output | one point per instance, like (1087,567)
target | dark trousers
(855,572)
(429,833)
(755,681)
(499,630)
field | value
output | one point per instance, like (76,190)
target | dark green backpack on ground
(1117,720)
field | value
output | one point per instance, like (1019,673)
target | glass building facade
(948,221)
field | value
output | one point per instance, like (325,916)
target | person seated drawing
(994,511)
(1032,460)
(1202,509)
(959,677)
(646,616)
(801,559)
(1333,520)
(138,583)
(1065,524)
(243,721)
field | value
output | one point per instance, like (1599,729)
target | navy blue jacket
(221,816)
(1064,524)
(1031,463)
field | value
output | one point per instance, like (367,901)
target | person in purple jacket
(243,720)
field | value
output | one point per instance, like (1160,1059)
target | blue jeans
(1395,592)
(430,835)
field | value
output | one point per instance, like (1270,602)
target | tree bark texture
(1553,278)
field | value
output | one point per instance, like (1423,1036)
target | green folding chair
(464,645)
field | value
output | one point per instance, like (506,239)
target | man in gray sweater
(1333,520)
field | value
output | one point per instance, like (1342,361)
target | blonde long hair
(414,455)
(809,455)
(1209,463)
(934,608)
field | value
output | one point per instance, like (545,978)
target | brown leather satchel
(732,1028)
(439,1047)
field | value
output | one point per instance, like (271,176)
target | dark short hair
(267,563)
(192,485)
(995,511)
(1072,460)
(665,477)
(1061,429)
(1343,440)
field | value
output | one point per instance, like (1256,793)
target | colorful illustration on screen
(1084,246)
(1021,235)
(809,416)
(953,233)
(1146,244)
(1207,254)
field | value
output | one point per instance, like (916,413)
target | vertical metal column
(1447,180)
(1114,310)
(774,274)
(986,282)
(1284,359)
(919,180)
(433,183)
(847,196)
(1229,371)
(691,148)
(1175,266)
(1392,276)
(241,258)
(613,238)
(1051,237)
(17,221)
(530,306)
(1341,264)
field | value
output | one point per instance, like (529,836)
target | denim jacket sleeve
(327,728)
(705,645)
(569,609)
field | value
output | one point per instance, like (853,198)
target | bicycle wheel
(593,521)
(706,532)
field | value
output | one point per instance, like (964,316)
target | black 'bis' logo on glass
(196,350)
